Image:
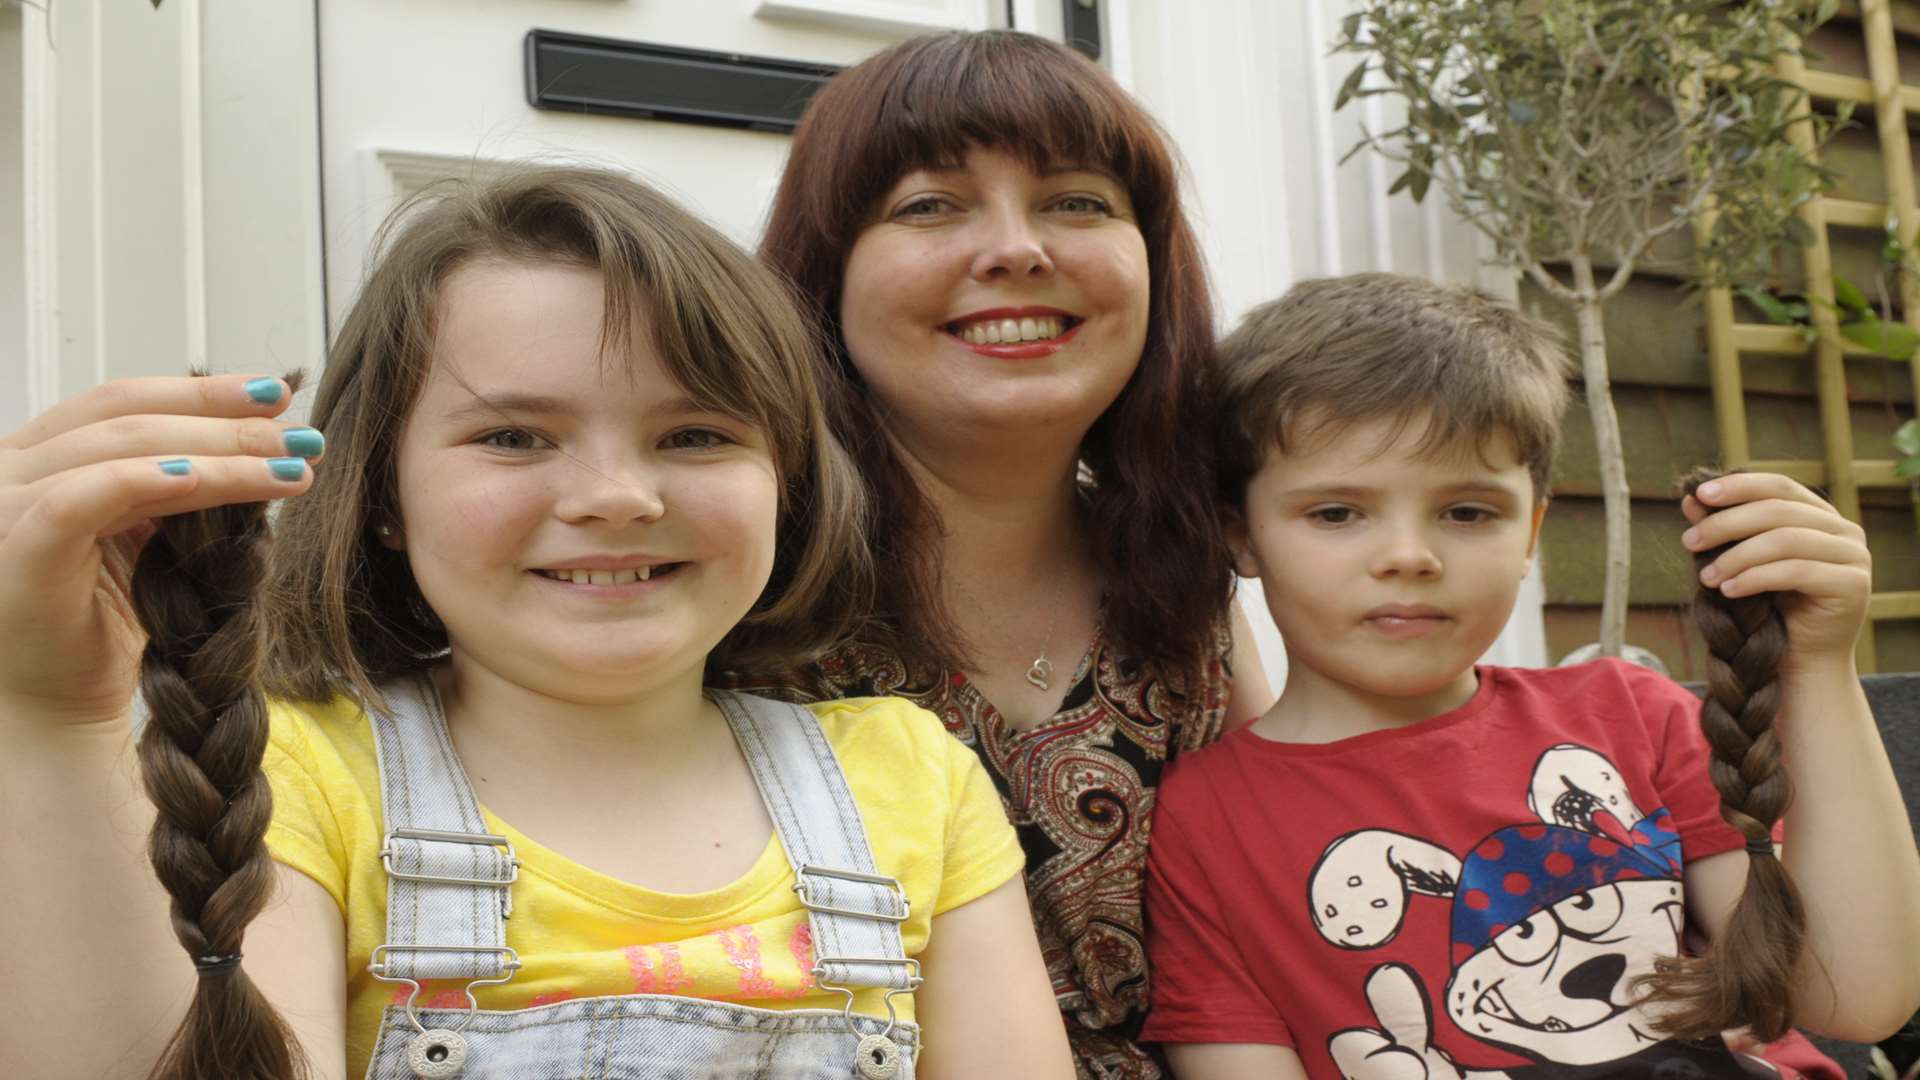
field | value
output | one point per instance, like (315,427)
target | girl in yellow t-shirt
(574,460)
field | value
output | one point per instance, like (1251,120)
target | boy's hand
(1787,540)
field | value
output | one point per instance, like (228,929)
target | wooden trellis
(1838,471)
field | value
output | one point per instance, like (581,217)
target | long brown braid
(1745,978)
(200,756)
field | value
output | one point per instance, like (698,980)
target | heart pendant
(1041,673)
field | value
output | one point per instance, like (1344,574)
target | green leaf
(1850,296)
(1776,310)
(1418,186)
(1906,438)
(1350,87)
(1800,232)
(1895,341)
(1401,182)
(1907,468)
(1826,11)
(1350,26)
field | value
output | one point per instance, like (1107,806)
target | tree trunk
(1613,465)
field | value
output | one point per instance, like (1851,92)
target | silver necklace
(1040,672)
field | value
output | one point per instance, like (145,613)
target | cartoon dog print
(1550,924)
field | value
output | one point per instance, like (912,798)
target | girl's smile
(603,580)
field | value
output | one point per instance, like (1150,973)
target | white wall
(169,188)
(13,223)
(260,202)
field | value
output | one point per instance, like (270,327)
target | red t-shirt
(1483,884)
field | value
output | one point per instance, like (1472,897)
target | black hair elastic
(1762,846)
(215,965)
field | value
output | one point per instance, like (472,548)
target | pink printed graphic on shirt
(664,977)
(433,995)
(800,944)
(549,999)
(742,947)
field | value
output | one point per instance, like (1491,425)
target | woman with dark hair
(1019,321)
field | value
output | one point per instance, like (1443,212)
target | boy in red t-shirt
(1414,867)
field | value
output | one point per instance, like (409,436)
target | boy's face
(1388,572)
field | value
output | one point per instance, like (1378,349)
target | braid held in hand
(200,757)
(1744,980)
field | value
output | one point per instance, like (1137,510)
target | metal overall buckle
(877,1057)
(492,840)
(436,1053)
(801,889)
(440,1052)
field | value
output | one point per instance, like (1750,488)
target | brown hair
(341,613)
(1366,346)
(347,613)
(199,754)
(1745,979)
(926,102)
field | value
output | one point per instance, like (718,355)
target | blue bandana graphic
(1527,868)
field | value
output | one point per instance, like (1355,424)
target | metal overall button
(437,1053)
(878,1058)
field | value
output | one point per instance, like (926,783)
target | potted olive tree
(1585,138)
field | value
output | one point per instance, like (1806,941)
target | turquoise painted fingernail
(287,468)
(264,391)
(176,466)
(304,441)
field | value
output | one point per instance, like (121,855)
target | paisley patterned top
(1080,791)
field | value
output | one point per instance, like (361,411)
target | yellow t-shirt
(932,818)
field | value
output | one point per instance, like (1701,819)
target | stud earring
(384,531)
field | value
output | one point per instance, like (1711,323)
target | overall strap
(854,912)
(448,879)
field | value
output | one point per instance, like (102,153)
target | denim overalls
(450,892)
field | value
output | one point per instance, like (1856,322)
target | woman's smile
(1017,333)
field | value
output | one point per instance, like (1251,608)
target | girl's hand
(80,486)
(1788,540)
